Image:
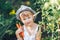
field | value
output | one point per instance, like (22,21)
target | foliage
(50,16)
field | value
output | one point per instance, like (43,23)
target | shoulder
(38,34)
(39,29)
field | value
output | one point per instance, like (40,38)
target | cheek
(32,19)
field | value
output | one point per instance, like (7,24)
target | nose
(27,18)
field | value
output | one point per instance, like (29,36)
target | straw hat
(22,8)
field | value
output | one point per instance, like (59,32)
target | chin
(29,24)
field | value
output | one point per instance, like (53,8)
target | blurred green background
(48,17)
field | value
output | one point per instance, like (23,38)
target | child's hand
(18,31)
(18,34)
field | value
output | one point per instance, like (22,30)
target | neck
(32,25)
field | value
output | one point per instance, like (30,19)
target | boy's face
(27,17)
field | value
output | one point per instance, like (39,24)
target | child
(30,28)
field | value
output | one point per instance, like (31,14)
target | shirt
(30,37)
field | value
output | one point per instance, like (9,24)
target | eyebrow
(25,15)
